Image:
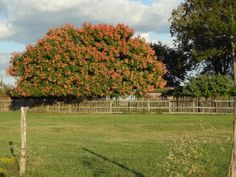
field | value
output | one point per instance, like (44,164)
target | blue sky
(146,2)
(23,22)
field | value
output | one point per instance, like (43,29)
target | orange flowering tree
(92,61)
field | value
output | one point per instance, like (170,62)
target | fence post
(69,108)
(111,106)
(149,109)
(47,108)
(216,106)
(193,106)
(170,106)
(23,140)
(58,107)
(129,106)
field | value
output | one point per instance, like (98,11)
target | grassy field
(119,145)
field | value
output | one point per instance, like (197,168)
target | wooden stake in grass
(23,140)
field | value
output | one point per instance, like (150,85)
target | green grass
(120,145)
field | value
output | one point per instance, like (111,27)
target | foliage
(8,166)
(233,91)
(5,89)
(206,86)
(178,92)
(92,61)
(176,62)
(206,30)
(166,92)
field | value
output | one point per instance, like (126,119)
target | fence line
(5,104)
(114,106)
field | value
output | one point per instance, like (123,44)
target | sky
(23,22)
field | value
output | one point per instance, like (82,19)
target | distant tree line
(105,60)
(205,39)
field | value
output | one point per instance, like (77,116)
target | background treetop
(176,62)
(207,30)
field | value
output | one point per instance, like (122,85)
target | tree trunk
(232,168)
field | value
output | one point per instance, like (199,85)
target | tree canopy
(92,61)
(206,86)
(176,62)
(206,30)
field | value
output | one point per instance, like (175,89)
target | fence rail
(111,106)
(5,105)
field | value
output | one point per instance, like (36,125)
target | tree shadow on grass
(2,175)
(137,174)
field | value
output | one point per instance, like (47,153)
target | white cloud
(5,30)
(54,6)
(4,63)
(149,37)
(155,38)
(31,19)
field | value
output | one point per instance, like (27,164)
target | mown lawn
(119,145)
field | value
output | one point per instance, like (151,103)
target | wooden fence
(111,106)
(5,104)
